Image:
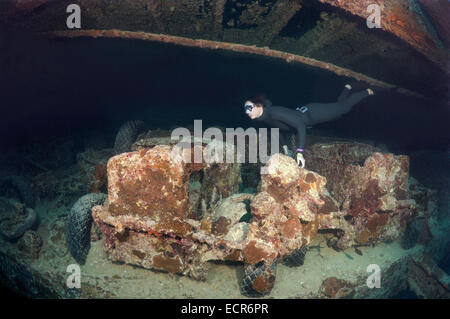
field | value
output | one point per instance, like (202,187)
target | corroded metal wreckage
(175,216)
(327,34)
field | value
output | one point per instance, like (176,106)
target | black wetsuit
(289,119)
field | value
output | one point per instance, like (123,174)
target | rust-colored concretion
(147,183)
(335,288)
(350,188)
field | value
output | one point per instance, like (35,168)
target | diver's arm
(301,137)
(298,124)
(294,122)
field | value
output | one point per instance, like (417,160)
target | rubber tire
(254,271)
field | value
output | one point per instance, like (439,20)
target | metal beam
(208,44)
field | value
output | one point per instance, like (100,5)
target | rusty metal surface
(402,18)
(439,11)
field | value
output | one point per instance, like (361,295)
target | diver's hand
(300,160)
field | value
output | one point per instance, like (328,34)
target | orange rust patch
(280,194)
(310,229)
(253,254)
(291,211)
(178,227)
(310,178)
(112,33)
(401,23)
(369,200)
(99,178)
(172,265)
(260,284)
(154,232)
(154,193)
(235,255)
(95,33)
(220,226)
(363,237)
(290,228)
(142,152)
(376,221)
(332,285)
(303,186)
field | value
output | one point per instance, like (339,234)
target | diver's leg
(324,112)
(344,93)
(355,98)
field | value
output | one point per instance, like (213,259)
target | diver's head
(254,106)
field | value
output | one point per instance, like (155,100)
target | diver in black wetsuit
(259,108)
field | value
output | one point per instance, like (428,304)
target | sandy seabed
(101,278)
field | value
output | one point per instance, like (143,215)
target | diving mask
(249,107)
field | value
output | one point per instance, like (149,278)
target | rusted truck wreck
(175,217)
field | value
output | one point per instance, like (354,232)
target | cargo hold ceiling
(407,51)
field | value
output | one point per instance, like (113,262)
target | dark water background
(64,87)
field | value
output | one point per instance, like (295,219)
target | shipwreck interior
(64,94)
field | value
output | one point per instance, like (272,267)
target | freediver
(260,108)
